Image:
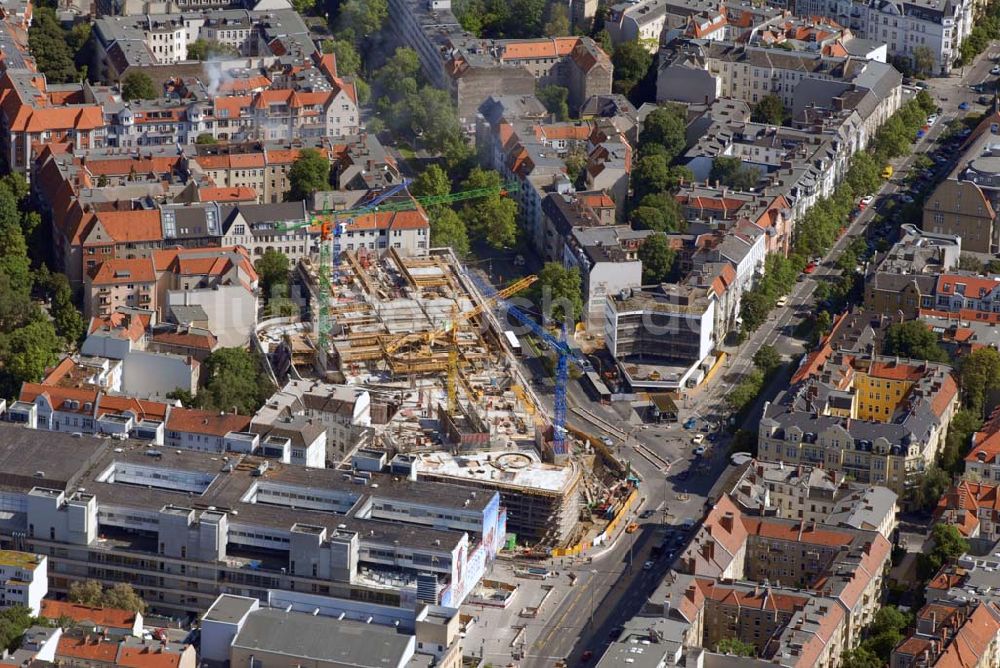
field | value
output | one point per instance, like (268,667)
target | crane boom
(457,319)
(331,231)
(564,353)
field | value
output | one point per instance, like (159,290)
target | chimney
(708,551)
(727,522)
(689,593)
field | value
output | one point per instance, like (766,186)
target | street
(614,585)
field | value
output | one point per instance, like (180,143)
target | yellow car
(887,172)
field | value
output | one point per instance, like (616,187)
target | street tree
(208,49)
(735,647)
(447,229)
(770,110)
(948,544)
(558,293)
(138,85)
(49,46)
(631,61)
(665,127)
(923,59)
(347,57)
(979,373)
(26,353)
(555,100)
(915,340)
(767,359)
(650,175)
(657,258)
(558,23)
(491,219)
(733,173)
(363,17)
(309,174)
(234,380)
(860,657)
(431,182)
(272,269)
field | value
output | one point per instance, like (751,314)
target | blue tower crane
(565,354)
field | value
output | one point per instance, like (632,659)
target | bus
(512,341)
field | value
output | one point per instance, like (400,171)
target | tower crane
(333,224)
(565,354)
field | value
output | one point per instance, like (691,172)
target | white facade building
(25,580)
(906,27)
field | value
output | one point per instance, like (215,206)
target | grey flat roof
(60,459)
(69,462)
(229,609)
(344,642)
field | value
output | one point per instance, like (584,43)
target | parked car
(906,198)
(865,201)
(964,106)
(782,301)
(699,451)
(632,528)
(646,514)
(932,119)
(984,99)
(648,566)
(698,439)
(690,423)
(995,69)
(810,268)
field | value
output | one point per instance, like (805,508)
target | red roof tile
(112,618)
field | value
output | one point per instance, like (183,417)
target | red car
(810,268)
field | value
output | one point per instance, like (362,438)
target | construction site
(420,332)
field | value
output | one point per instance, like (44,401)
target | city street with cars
(679,462)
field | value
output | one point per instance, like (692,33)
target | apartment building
(24,579)
(904,279)
(79,648)
(709,208)
(110,621)
(205,431)
(907,28)
(881,420)
(533,153)
(659,336)
(962,209)
(952,634)
(344,412)
(120,283)
(798,591)
(31,114)
(474,69)
(157,41)
(813,494)
(358,163)
(699,71)
(581,232)
(202,527)
(973,508)
(651,21)
(169,277)
(983,461)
